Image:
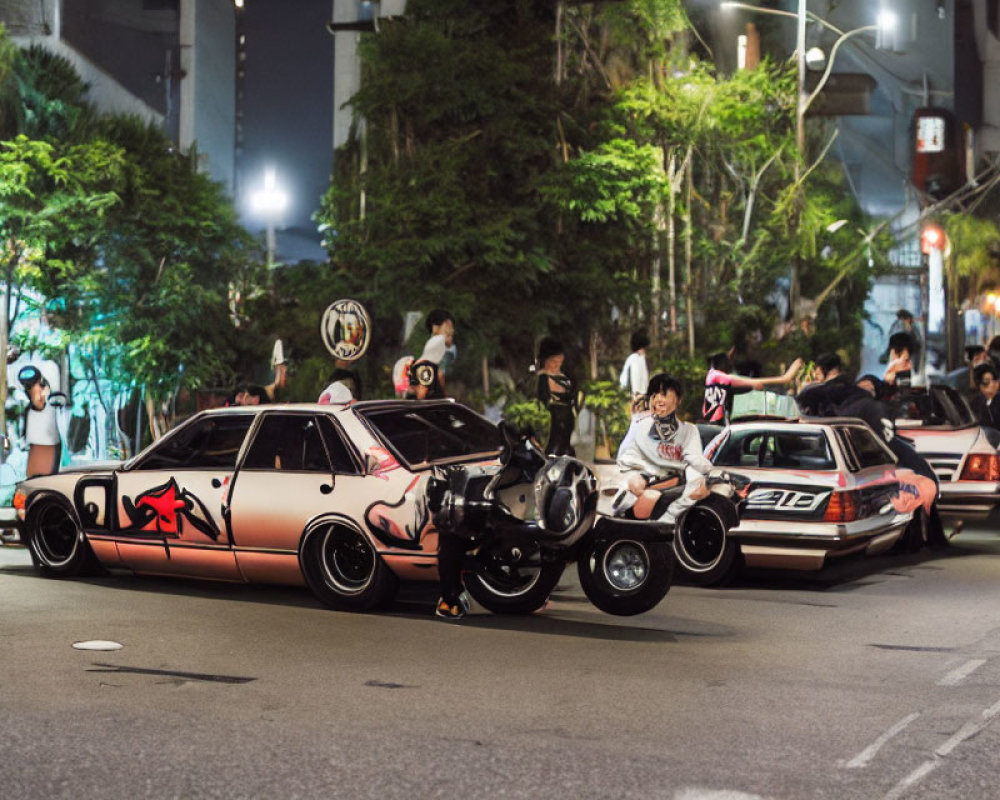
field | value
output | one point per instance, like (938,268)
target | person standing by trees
(557,393)
(634,376)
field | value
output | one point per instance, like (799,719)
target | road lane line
(917,775)
(969,729)
(863,758)
(959,674)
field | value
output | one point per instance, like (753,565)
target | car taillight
(19,499)
(843,507)
(981,467)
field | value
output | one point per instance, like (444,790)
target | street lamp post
(269,202)
(803,99)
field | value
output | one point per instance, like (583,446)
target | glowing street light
(269,202)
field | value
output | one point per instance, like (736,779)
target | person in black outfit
(557,393)
(835,395)
(984,403)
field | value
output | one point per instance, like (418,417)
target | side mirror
(371,464)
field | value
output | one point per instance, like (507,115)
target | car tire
(344,570)
(56,541)
(625,577)
(706,554)
(503,588)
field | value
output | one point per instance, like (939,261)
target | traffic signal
(932,237)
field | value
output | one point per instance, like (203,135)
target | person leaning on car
(984,403)
(835,395)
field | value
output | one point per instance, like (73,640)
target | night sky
(288,112)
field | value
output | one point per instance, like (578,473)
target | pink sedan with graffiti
(332,497)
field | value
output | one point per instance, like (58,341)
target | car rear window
(867,450)
(434,434)
(776,450)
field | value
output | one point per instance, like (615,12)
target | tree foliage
(573,169)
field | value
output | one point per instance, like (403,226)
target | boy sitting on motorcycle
(660,452)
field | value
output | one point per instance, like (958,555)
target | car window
(741,449)
(868,451)
(287,443)
(800,450)
(951,405)
(435,433)
(209,443)
(340,452)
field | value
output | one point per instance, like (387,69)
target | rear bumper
(968,500)
(807,545)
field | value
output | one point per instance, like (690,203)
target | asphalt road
(876,678)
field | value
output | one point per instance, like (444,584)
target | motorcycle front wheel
(505,585)
(625,577)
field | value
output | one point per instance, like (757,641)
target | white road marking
(97,644)
(863,758)
(697,793)
(959,674)
(969,729)
(917,775)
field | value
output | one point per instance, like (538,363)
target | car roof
(793,423)
(364,405)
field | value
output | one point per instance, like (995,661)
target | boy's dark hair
(547,348)
(973,350)
(904,341)
(720,361)
(437,317)
(662,382)
(828,362)
(984,369)
(876,382)
(994,345)
(638,340)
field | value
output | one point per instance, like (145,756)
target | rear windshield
(777,450)
(434,434)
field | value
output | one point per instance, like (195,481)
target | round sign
(346,329)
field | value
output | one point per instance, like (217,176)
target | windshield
(420,434)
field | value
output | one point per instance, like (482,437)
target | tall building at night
(173,62)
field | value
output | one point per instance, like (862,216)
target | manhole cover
(97,644)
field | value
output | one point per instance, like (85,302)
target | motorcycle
(528,517)
(702,547)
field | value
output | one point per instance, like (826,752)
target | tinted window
(784,450)
(288,443)
(741,449)
(868,451)
(209,443)
(340,453)
(420,434)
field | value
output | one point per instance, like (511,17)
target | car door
(170,504)
(297,468)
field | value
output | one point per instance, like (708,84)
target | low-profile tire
(505,588)
(706,554)
(56,541)
(625,577)
(343,569)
